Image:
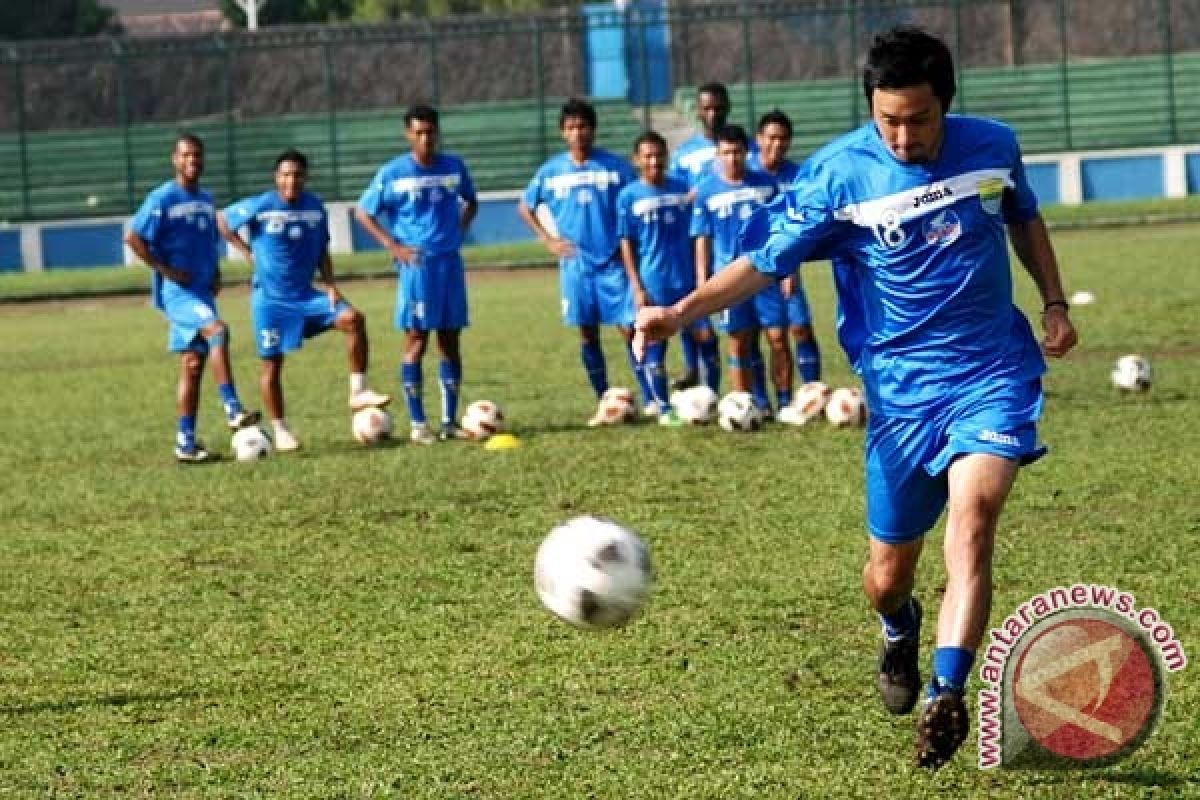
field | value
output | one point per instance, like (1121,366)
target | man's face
(910,122)
(652,161)
(188,160)
(578,134)
(289,180)
(732,158)
(712,109)
(422,138)
(773,143)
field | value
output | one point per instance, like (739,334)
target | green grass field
(352,623)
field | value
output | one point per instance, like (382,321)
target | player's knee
(217,335)
(801,333)
(192,363)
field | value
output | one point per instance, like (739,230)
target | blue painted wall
(1122,178)
(78,246)
(10,252)
(604,47)
(1043,179)
(1192,166)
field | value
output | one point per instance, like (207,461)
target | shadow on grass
(1134,777)
(121,699)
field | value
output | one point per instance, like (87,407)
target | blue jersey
(693,160)
(287,239)
(785,175)
(656,219)
(720,209)
(421,204)
(922,255)
(582,199)
(180,228)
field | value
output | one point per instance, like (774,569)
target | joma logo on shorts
(932,196)
(999,438)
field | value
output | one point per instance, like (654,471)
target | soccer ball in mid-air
(483,419)
(697,405)
(371,425)
(846,408)
(616,407)
(810,400)
(250,444)
(1131,373)
(592,572)
(737,413)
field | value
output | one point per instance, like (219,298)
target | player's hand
(175,275)
(334,296)
(787,286)
(1060,333)
(640,299)
(408,256)
(561,248)
(653,324)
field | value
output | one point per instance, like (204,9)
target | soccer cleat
(899,679)
(942,729)
(242,419)
(368,398)
(685,381)
(651,409)
(195,454)
(450,432)
(420,434)
(285,442)
(671,419)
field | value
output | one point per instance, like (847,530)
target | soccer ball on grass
(250,444)
(846,408)
(483,419)
(371,425)
(1132,373)
(697,405)
(737,413)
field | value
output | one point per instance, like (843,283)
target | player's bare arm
(399,251)
(630,260)
(703,252)
(234,238)
(558,247)
(1031,242)
(325,268)
(469,209)
(142,250)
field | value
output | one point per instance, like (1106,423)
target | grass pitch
(354,623)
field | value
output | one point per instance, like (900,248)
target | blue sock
(450,376)
(656,373)
(411,379)
(229,399)
(783,397)
(951,668)
(689,350)
(593,363)
(758,378)
(711,358)
(901,622)
(640,374)
(808,361)
(186,437)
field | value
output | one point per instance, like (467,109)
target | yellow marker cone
(502,441)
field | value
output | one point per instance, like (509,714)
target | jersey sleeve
(533,192)
(148,220)
(375,195)
(466,187)
(626,228)
(701,225)
(1020,203)
(788,231)
(242,213)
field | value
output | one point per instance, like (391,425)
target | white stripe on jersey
(697,158)
(728,198)
(188,208)
(649,204)
(600,178)
(416,182)
(916,202)
(281,217)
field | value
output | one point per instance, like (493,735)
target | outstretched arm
(1032,244)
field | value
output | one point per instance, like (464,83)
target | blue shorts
(432,295)
(281,326)
(599,295)
(767,309)
(189,314)
(667,296)
(797,305)
(907,459)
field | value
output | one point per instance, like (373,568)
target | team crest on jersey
(943,228)
(991,193)
(295,232)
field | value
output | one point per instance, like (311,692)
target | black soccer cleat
(942,729)
(242,419)
(899,679)
(685,381)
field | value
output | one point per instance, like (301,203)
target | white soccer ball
(737,413)
(808,403)
(846,408)
(483,419)
(593,572)
(251,444)
(1132,373)
(697,405)
(371,425)
(617,406)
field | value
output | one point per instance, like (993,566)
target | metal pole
(855,85)
(1065,76)
(748,68)
(540,87)
(644,58)
(331,98)
(958,56)
(433,62)
(230,138)
(22,144)
(1169,56)
(123,116)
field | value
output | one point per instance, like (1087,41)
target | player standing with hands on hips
(914,207)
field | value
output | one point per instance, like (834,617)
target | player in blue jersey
(418,206)
(653,217)
(580,188)
(289,243)
(774,136)
(916,205)
(175,234)
(723,202)
(692,161)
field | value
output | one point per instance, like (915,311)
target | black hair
(188,137)
(733,133)
(293,155)
(714,88)
(421,113)
(904,57)
(775,117)
(649,137)
(579,109)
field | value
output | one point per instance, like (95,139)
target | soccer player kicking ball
(653,216)
(580,189)
(289,235)
(915,204)
(418,206)
(175,234)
